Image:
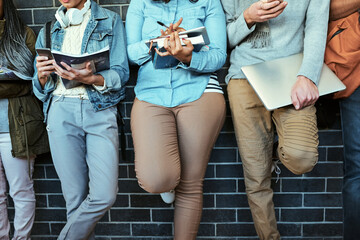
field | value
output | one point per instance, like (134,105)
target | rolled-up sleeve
(117,76)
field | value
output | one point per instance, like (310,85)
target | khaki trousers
(172,150)
(254,128)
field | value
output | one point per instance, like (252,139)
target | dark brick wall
(307,206)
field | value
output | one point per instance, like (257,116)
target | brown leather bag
(342,53)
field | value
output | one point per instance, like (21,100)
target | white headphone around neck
(73,16)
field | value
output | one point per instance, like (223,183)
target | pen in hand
(172,28)
(151,43)
(161,24)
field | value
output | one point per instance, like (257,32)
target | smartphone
(45,52)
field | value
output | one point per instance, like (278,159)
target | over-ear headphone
(73,16)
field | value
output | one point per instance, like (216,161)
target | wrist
(188,59)
(247,18)
(303,78)
(185,59)
(42,81)
(97,80)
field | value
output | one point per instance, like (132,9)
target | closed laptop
(273,80)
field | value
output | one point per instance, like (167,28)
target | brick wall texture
(307,206)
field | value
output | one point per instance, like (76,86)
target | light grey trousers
(85,150)
(16,172)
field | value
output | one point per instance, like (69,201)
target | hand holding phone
(45,52)
(263,10)
(44,66)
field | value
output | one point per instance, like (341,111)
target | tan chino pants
(254,128)
(172,149)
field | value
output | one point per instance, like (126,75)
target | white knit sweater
(72,45)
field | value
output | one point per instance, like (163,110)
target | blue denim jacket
(104,28)
(181,84)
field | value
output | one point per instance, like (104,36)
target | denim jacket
(104,28)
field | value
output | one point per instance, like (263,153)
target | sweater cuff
(311,74)
(100,88)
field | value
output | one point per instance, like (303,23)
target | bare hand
(84,75)
(174,48)
(263,11)
(44,68)
(173,28)
(304,93)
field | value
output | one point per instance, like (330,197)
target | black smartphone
(45,52)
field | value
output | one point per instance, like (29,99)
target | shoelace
(277,170)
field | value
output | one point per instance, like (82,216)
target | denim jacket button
(99,105)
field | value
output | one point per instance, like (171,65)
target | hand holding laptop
(277,84)
(304,93)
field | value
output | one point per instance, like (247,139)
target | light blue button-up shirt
(171,87)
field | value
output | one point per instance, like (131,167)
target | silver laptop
(273,80)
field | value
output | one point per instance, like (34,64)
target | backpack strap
(47,33)
(121,125)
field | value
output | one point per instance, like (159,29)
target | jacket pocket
(100,39)
(100,35)
(31,119)
(27,128)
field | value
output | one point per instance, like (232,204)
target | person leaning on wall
(178,111)
(82,121)
(22,131)
(262,31)
(342,55)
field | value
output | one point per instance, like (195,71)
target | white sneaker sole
(168,197)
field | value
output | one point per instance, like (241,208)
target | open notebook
(273,80)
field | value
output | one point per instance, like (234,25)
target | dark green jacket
(27,128)
(26,122)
